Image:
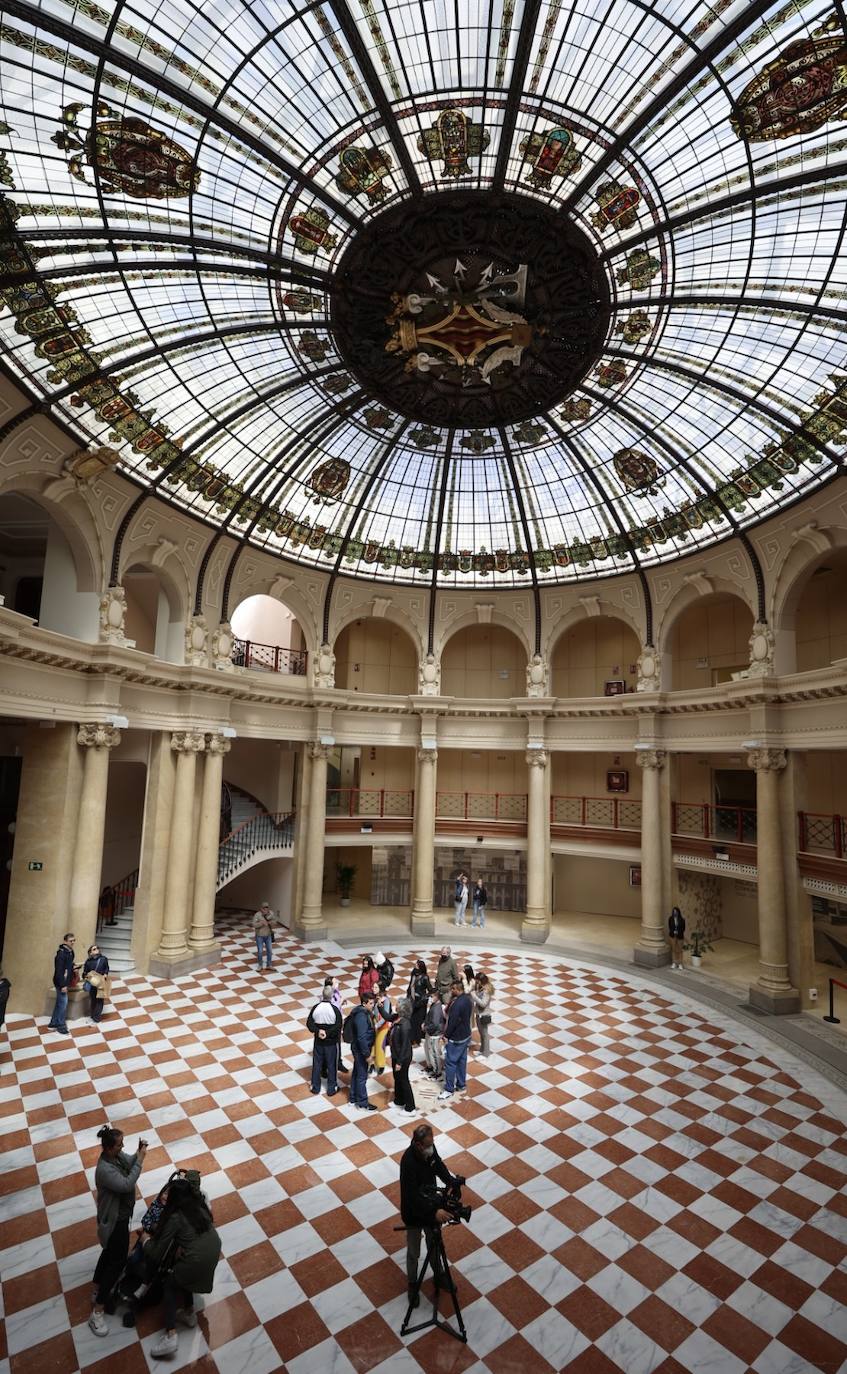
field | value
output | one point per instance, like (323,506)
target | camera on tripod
(449,1199)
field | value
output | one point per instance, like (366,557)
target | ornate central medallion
(470,309)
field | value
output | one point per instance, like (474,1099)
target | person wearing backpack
(324,1022)
(358,1033)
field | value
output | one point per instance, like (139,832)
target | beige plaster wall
(715,630)
(373,655)
(597,886)
(269,881)
(142,609)
(483,661)
(483,770)
(388,768)
(265,620)
(826,780)
(361,858)
(739,910)
(584,775)
(821,621)
(592,653)
(264,768)
(124,820)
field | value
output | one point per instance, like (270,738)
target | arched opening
(154,618)
(375,655)
(709,642)
(598,656)
(268,636)
(38,571)
(483,661)
(820,618)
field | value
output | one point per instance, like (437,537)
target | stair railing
(124,894)
(267,831)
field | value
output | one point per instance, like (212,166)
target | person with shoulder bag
(186,1232)
(481,995)
(96,981)
(115,1178)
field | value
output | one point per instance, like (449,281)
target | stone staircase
(116,943)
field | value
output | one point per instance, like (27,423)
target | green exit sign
(34,866)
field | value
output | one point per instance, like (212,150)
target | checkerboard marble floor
(655,1190)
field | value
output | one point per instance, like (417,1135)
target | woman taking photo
(97,964)
(186,1236)
(115,1178)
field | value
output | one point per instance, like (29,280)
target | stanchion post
(832,1018)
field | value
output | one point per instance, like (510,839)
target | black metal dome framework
(181,186)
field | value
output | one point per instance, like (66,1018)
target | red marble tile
(296,1331)
(580,1258)
(588,1312)
(318,1272)
(729,1328)
(37,1285)
(662,1323)
(787,1288)
(249,1266)
(56,1356)
(517,1355)
(227,1319)
(368,1342)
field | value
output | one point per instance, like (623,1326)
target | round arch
(376,654)
(579,613)
(340,620)
(811,551)
(63,503)
(484,660)
(716,646)
(281,589)
(469,618)
(589,651)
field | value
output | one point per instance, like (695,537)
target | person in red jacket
(369,979)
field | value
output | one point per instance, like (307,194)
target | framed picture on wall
(617,780)
(615,687)
(635,875)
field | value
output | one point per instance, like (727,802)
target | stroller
(139,1284)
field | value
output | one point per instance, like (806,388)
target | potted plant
(345,874)
(697,943)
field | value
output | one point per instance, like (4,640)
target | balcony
(268,658)
(501,813)
(385,808)
(604,817)
(822,845)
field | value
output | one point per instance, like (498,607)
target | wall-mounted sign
(34,866)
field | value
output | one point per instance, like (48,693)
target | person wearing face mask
(420,1166)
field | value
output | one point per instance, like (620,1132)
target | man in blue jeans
(457,1034)
(264,932)
(63,972)
(362,1021)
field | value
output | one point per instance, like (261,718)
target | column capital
(217,744)
(98,736)
(427,756)
(537,758)
(651,758)
(188,741)
(766,760)
(319,751)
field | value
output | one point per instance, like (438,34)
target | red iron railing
(378,803)
(700,820)
(604,813)
(480,806)
(269,658)
(821,833)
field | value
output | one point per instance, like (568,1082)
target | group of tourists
(476,897)
(436,1013)
(66,976)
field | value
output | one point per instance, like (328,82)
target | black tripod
(436,1260)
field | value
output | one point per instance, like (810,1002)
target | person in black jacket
(324,1021)
(420,1166)
(362,1022)
(676,930)
(457,1034)
(401,1056)
(418,993)
(63,972)
(95,963)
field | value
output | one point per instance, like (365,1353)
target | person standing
(457,1035)
(384,1019)
(420,1166)
(63,973)
(480,902)
(264,932)
(676,930)
(418,994)
(401,1056)
(115,1178)
(340,1002)
(97,988)
(481,995)
(461,899)
(106,908)
(369,977)
(362,1027)
(445,974)
(324,1021)
(433,1031)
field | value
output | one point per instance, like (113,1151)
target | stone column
(652,949)
(202,937)
(536,927)
(772,991)
(423,917)
(173,947)
(312,924)
(96,741)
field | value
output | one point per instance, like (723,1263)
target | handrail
(124,892)
(481,806)
(606,813)
(832,1018)
(248,653)
(822,831)
(701,820)
(378,803)
(267,831)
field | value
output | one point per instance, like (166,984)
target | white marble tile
(629,1347)
(683,1294)
(90,1348)
(487,1328)
(275,1294)
(488,1223)
(730,1252)
(802,1264)
(671,1247)
(356,1253)
(485,1269)
(192,1347)
(699,1352)
(608,1240)
(620,1290)
(546,1231)
(326,1358)
(251,1353)
(760,1308)
(550,1279)
(342,1305)
(315,1202)
(240,1234)
(32,1325)
(28,1255)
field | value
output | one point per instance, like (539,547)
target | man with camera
(423,1206)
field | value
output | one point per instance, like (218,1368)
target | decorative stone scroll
(324,669)
(113,618)
(429,677)
(766,760)
(648,670)
(536,677)
(222,645)
(196,642)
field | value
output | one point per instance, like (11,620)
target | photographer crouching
(424,1207)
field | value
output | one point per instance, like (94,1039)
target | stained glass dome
(415,291)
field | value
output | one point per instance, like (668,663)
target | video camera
(449,1199)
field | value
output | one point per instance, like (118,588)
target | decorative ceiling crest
(424,436)
(553,155)
(635,327)
(301,302)
(638,471)
(454,138)
(797,93)
(578,409)
(641,267)
(312,346)
(129,155)
(329,481)
(463,326)
(310,230)
(362,171)
(478,442)
(616,205)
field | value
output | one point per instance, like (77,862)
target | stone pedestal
(312,923)
(96,741)
(772,991)
(535,928)
(423,917)
(652,950)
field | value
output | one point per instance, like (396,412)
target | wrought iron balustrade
(268,658)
